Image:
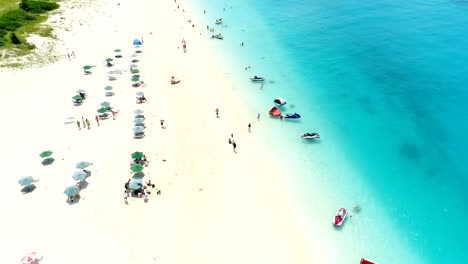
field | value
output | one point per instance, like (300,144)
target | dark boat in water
(292,116)
(257,79)
(312,135)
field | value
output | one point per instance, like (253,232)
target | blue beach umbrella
(83,164)
(26,180)
(105,104)
(71,190)
(135,184)
(139,120)
(138,112)
(108,88)
(140,94)
(138,129)
(79,175)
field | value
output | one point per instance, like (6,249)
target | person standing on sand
(97,120)
(125,195)
(250,126)
(78,124)
(217,112)
(162,123)
(83,122)
(234,145)
(87,123)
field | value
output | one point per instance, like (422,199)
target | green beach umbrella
(138,112)
(139,120)
(71,190)
(117,50)
(135,79)
(102,110)
(45,154)
(105,104)
(87,67)
(135,71)
(109,59)
(26,180)
(77,97)
(136,167)
(108,88)
(137,155)
(82,164)
(140,94)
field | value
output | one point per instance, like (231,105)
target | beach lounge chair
(174,80)
(103,116)
(112,78)
(87,72)
(77,102)
(140,116)
(109,93)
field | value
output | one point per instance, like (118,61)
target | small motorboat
(340,216)
(292,116)
(257,79)
(312,135)
(217,36)
(366,261)
(274,111)
(219,21)
(279,101)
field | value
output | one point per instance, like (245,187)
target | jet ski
(312,135)
(219,21)
(279,101)
(257,79)
(366,261)
(292,116)
(274,111)
(340,216)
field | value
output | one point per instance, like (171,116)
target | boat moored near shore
(312,135)
(279,101)
(257,79)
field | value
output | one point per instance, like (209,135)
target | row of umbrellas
(78,175)
(136,183)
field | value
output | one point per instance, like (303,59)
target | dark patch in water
(366,103)
(292,106)
(432,172)
(410,151)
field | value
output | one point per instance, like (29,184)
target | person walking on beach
(97,120)
(78,124)
(258,116)
(83,122)
(250,126)
(230,141)
(73,53)
(87,123)
(162,123)
(234,145)
(125,195)
(217,112)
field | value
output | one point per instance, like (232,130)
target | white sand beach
(216,206)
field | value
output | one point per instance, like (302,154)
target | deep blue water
(384,82)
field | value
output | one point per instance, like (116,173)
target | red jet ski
(340,216)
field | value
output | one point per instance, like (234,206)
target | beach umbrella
(133,65)
(105,104)
(138,129)
(137,155)
(26,180)
(140,94)
(109,59)
(87,67)
(83,164)
(71,190)
(135,71)
(134,55)
(77,97)
(29,257)
(136,167)
(135,79)
(80,91)
(108,88)
(102,110)
(79,175)
(45,154)
(117,50)
(138,112)
(135,184)
(138,121)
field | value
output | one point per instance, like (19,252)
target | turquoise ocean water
(384,82)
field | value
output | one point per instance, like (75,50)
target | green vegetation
(19,20)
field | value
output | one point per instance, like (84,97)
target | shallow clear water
(384,82)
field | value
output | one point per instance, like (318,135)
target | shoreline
(209,193)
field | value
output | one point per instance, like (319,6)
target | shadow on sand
(48,161)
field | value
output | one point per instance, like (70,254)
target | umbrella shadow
(310,141)
(73,201)
(83,184)
(138,175)
(28,189)
(48,161)
(88,173)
